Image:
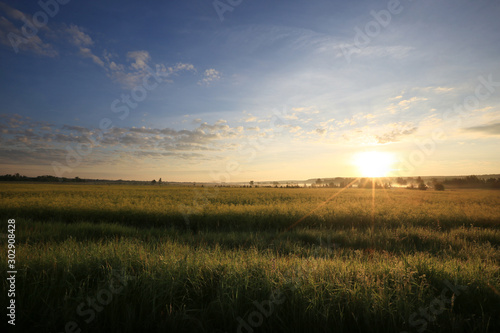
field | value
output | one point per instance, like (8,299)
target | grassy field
(162,259)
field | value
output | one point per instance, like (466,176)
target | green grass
(353,264)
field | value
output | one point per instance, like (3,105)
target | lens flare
(374,164)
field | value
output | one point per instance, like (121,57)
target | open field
(179,259)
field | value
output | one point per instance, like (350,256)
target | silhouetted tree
(422,186)
(401,181)
(439,187)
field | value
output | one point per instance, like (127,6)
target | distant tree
(251,183)
(422,186)
(369,183)
(319,181)
(153,181)
(439,186)
(159,181)
(473,179)
(401,181)
(493,183)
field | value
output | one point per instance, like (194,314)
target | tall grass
(344,268)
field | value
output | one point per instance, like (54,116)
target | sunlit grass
(339,269)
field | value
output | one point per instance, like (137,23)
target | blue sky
(209,91)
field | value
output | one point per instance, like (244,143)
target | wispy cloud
(139,67)
(396,134)
(251,118)
(404,104)
(77,36)
(12,36)
(490,129)
(22,134)
(128,75)
(210,76)
(436,90)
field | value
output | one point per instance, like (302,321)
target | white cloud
(140,59)
(396,52)
(404,104)
(12,36)
(435,90)
(292,116)
(210,76)
(128,76)
(399,130)
(396,98)
(24,136)
(133,75)
(251,119)
(77,36)
(441,90)
(87,53)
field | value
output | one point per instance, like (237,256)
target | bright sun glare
(374,163)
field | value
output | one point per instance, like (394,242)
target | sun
(374,164)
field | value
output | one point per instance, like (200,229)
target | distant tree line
(473,181)
(421,185)
(370,183)
(47,178)
(338,183)
(52,179)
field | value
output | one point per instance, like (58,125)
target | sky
(240,90)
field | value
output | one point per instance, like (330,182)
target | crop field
(95,258)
